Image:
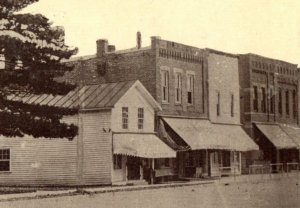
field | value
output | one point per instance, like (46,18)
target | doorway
(133,166)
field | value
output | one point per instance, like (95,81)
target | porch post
(152,170)
(240,162)
(277,158)
(141,173)
(207,162)
(126,172)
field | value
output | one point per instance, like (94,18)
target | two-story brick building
(270,106)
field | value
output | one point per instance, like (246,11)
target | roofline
(271,59)
(210,50)
(150,99)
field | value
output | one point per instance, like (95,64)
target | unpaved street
(279,193)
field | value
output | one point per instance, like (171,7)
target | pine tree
(33,50)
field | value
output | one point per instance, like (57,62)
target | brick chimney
(102,47)
(138,40)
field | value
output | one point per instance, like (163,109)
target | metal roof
(87,97)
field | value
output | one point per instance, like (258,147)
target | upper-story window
(190,88)
(272,101)
(4,160)
(178,84)
(125,117)
(232,105)
(165,86)
(263,100)
(140,118)
(295,111)
(218,104)
(280,101)
(255,99)
(287,102)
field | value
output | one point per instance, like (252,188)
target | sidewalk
(96,190)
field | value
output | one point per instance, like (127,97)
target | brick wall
(145,65)
(176,57)
(270,74)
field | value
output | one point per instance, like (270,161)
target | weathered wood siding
(40,161)
(97,147)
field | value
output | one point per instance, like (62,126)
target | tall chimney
(102,47)
(138,40)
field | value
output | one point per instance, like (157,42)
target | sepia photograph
(149,103)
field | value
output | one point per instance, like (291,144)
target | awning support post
(207,161)
(152,170)
(141,173)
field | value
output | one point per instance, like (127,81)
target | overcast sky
(266,27)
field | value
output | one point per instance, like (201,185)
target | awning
(202,134)
(293,132)
(141,145)
(275,134)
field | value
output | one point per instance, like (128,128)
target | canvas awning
(141,145)
(277,136)
(293,132)
(202,134)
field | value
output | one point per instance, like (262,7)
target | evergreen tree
(33,50)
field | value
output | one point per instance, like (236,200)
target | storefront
(215,149)
(141,158)
(279,143)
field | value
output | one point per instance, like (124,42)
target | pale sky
(266,27)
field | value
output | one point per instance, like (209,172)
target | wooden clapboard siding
(97,147)
(133,100)
(40,161)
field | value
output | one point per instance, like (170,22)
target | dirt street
(284,192)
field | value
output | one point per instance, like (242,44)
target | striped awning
(141,145)
(202,134)
(293,131)
(277,136)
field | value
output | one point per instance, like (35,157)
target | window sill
(5,172)
(165,103)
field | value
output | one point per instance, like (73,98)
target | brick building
(176,75)
(270,105)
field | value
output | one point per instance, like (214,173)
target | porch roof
(277,136)
(202,134)
(141,145)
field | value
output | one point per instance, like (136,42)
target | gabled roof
(89,97)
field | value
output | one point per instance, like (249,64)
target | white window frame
(232,104)
(178,87)
(5,159)
(125,117)
(141,116)
(218,105)
(165,84)
(190,87)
